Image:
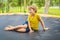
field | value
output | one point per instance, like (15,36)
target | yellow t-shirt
(34,21)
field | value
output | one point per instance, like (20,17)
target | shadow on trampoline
(52,34)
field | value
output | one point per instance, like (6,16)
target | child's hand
(31,31)
(45,29)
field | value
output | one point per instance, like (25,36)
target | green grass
(52,11)
(14,9)
(40,11)
(0,11)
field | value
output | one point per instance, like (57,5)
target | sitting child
(31,24)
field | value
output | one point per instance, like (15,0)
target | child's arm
(29,24)
(43,26)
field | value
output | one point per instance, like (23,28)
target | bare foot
(8,28)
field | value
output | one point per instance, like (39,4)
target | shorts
(27,29)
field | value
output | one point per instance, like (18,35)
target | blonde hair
(33,7)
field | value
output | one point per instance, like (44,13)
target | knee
(25,26)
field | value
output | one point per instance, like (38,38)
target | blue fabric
(27,29)
(26,22)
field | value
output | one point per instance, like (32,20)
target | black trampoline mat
(14,20)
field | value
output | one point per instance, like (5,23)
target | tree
(30,2)
(47,4)
(25,6)
(2,5)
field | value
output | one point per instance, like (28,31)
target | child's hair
(34,8)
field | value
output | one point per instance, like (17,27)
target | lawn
(52,11)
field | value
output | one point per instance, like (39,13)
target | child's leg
(18,30)
(21,26)
(9,27)
(21,30)
(24,30)
(16,27)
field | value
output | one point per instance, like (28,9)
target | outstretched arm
(42,23)
(43,26)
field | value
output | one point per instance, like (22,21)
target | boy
(31,24)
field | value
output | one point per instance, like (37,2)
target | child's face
(32,12)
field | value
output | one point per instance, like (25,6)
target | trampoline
(52,34)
